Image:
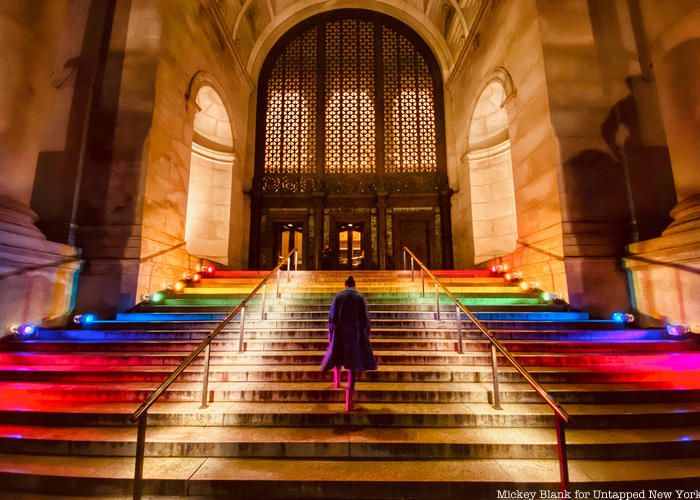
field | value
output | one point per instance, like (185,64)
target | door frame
(277,223)
(423,216)
(337,220)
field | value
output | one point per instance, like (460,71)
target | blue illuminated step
(482,315)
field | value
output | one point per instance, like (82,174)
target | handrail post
(277,294)
(296,261)
(289,268)
(140,452)
(561,449)
(404,260)
(459,329)
(205,378)
(494,374)
(437,300)
(422,281)
(412,278)
(241,330)
(264,294)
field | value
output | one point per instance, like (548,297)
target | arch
(301,11)
(494,220)
(353,139)
(212,195)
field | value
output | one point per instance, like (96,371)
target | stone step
(435,392)
(355,443)
(349,479)
(296,373)
(283,307)
(253,321)
(325,414)
(320,343)
(679,361)
(198,332)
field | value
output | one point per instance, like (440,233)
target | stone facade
(593,171)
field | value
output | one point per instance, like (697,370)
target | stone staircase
(275,428)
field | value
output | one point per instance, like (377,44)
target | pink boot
(349,394)
(336,377)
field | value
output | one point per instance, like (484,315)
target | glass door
(351,253)
(290,235)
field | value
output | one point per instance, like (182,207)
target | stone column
(381,229)
(36,275)
(665,271)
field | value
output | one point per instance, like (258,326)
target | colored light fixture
(196,277)
(180,286)
(84,319)
(24,330)
(525,285)
(677,330)
(157,297)
(622,317)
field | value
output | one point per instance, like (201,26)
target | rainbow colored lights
(622,317)
(677,330)
(85,319)
(25,329)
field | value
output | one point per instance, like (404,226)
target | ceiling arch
(256,25)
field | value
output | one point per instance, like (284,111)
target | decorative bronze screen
(351,95)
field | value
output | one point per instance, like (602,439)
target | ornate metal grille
(328,80)
(409,107)
(350,100)
(290,121)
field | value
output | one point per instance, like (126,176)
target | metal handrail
(141,414)
(561,417)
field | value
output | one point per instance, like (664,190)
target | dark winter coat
(348,333)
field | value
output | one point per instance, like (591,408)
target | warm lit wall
(665,271)
(509,38)
(193,54)
(36,276)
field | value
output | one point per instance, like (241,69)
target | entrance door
(288,236)
(351,248)
(414,233)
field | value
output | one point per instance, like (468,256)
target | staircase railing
(140,416)
(561,417)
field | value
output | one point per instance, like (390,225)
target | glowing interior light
(525,285)
(157,297)
(507,276)
(677,330)
(546,296)
(505,267)
(196,277)
(685,438)
(179,286)
(210,269)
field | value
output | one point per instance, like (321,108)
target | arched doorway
(350,147)
(207,226)
(494,220)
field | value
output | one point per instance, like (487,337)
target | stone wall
(36,275)
(508,46)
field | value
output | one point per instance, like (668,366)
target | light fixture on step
(24,330)
(549,296)
(677,330)
(180,286)
(196,277)
(622,317)
(186,276)
(84,319)
(524,285)
(208,269)
(499,269)
(157,297)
